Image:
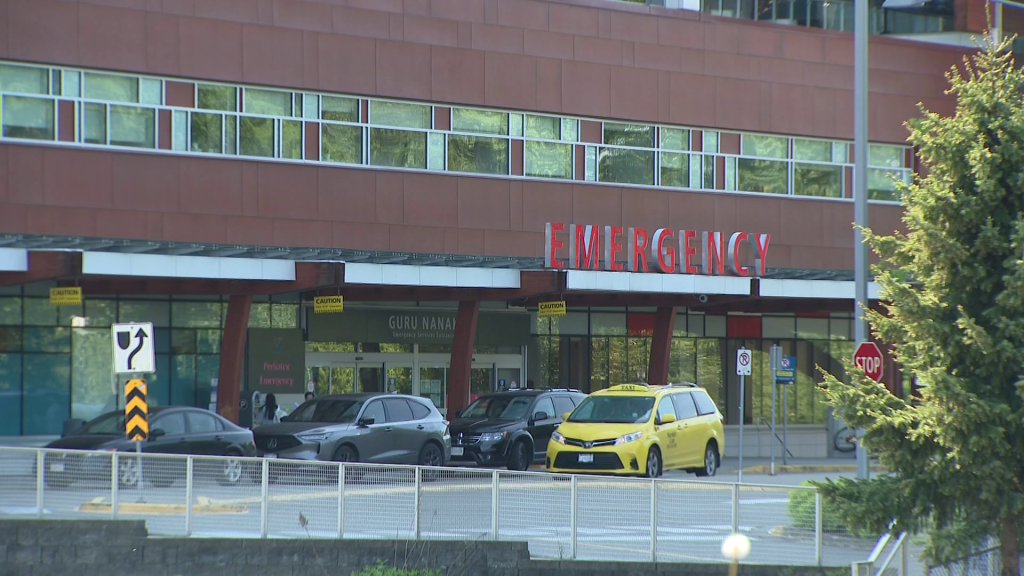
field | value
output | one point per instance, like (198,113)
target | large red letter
(760,241)
(734,255)
(611,248)
(583,246)
(635,253)
(663,255)
(714,257)
(552,244)
(686,251)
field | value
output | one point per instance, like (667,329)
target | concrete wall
(121,548)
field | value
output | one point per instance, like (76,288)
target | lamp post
(735,548)
(860,190)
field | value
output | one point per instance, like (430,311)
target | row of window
(119,110)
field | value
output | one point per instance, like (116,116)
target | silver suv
(380,428)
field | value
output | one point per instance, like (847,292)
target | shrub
(382,569)
(801,510)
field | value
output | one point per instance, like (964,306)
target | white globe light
(736,547)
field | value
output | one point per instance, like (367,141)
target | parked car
(379,428)
(510,428)
(636,429)
(172,430)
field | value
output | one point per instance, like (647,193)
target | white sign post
(133,348)
(743,362)
(775,360)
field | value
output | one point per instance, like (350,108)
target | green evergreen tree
(957,455)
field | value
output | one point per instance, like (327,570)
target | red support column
(462,356)
(661,346)
(232,356)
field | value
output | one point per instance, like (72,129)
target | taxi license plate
(270,455)
(57,467)
(586,458)
(457,451)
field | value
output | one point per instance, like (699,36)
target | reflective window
(419,411)
(340,109)
(201,423)
(626,166)
(398,148)
(675,169)
(684,406)
(342,143)
(814,150)
(818,180)
(30,118)
(882,183)
(675,138)
(666,408)
(547,159)
(213,97)
(95,123)
(479,121)
(884,156)
(374,410)
(131,126)
(24,79)
(704,403)
(256,137)
(478,154)
(769,176)
(291,140)
(173,424)
(91,393)
(548,127)
(764,146)
(207,133)
(398,410)
(639,135)
(111,88)
(546,406)
(269,102)
(46,395)
(399,114)
(563,404)
(11,391)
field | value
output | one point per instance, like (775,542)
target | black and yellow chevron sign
(136,410)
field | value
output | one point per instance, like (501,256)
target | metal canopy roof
(76,243)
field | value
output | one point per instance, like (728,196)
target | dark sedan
(172,430)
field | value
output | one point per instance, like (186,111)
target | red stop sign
(869,358)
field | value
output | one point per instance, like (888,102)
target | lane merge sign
(133,348)
(136,411)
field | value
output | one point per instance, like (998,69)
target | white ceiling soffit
(13,260)
(842,290)
(205,267)
(445,276)
(657,283)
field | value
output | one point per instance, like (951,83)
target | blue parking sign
(786,374)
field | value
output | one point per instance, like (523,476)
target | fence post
(572,519)
(817,526)
(115,485)
(264,497)
(40,486)
(189,479)
(735,508)
(494,504)
(341,500)
(416,503)
(654,520)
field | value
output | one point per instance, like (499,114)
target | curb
(811,468)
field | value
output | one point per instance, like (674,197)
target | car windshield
(110,423)
(508,407)
(614,409)
(326,410)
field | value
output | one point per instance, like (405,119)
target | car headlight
(557,437)
(315,436)
(492,436)
(626,439)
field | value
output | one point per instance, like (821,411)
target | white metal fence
(560,516)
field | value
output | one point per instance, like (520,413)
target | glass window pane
(675,169)
(156,311)
(208,341)
(183,380)
(207,368)
(515,125)
(311,106)
(342,143)
(28,118)
(24,79)
(297,109)
(769,176)
(47,339)
(10,389)
(207,132)
(131,126)
(151,91)
(818,180)
(284,315)
(71,81)
(95,123)
(340,109)
(570,129)
(183,341)
(259,315)
(397,114)
(709,171)
(812,328)
(10,310)
(435,151)
(629,134)
(47,402)
(626,166)
(270,102)
(230,135)
(778,327)
(548,159)
(840,152)
(710,141)
(55,83)
(100,312)
(764,146)
(590,163)
(195,314)
(675,139)
(730,173)
(39,312)
(881,185)
(91,390)
(256,137)
(110,87)
(479,121)
(696,170)
(213,97)
(881,155)
(548,127)
(179,138)
(291,140)
(398,148)
(477,154)
(816,150)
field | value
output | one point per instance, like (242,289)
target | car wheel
(346,453)
(519,459)
(430,455)
(653,463)
(710,461)
(231,471)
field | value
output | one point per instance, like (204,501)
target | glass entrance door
(399,377)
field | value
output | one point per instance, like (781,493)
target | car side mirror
(538,416)
(156,433)
(668,418)
(565,415)
(367,421)
(71,426)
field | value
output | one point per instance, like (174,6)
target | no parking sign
(743,362)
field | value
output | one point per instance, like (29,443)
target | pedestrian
(271,412)
(309,396)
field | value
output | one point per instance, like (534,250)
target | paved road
(613,515)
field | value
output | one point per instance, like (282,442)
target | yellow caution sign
(136,410)
(328,304)
(66,296)
(551,309)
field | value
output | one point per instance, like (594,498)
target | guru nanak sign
(669,251)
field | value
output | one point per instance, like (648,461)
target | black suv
(511,427)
